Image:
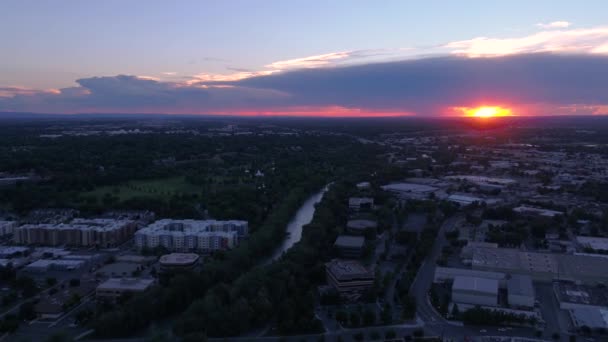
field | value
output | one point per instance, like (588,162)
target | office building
(349,276)
(350,246)
(178,262)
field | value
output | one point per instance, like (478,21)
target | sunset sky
(337,58)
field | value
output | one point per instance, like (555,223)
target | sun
(487,112)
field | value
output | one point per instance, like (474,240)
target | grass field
(146,188)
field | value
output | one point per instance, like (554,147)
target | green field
(154,188)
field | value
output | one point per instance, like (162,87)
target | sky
(335,58)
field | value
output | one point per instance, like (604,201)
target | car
(483,331)
(502,329)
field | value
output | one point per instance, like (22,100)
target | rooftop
(409,187)
(179,259)
(361,224)
(348,269)
(567,292)
(483,285)
(350,241)
(183,227)
(126,284)
(520,285)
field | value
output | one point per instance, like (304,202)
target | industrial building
(594,244)
(191,235)
(349,276)
(350,246)
(360,203)
(113,288)
(178,262)
(119,269)
(571,295)
(520,291)
(79,232)
(591,318)
(405,191)
(443,274)
(46,265)
(359,227)
(465,200)
(587,269)
(531,211)
(475,291)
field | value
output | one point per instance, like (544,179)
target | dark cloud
(543,78)
(423,86)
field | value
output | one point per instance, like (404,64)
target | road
(434,323)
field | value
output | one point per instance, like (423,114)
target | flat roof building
(192,235)
(359,227)
(526,210)
(592,318)
(520,291)
(576,296)
(595,244)
(414,191)
(540,266)
(443,274)
(119,269)
(79,232)
(113,288)
(350,246)
(45,265)
(360,203)
(349,277)
(475,291)
(178,261)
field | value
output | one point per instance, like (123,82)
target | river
(294,229)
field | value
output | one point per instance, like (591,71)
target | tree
(369,317)
(390,334)
(355,319)
(455,310)
(26,311)
(387,314)
(50,281)
(58,337)
(418,333)
(341,316)
(27,286)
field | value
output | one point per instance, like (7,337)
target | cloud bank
(555,71)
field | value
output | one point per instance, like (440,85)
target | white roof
(126,284)
(482,285)
(409,187)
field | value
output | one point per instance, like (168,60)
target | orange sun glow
(487,112)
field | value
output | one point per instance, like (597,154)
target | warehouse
(476,291)
(592,318)
(520,291)
(113,288)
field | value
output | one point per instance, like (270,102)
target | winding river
(294,229)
